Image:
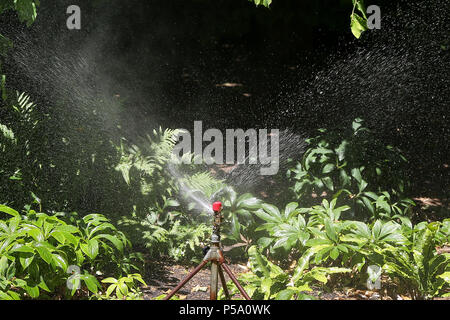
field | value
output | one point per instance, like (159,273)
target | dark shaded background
(296,65)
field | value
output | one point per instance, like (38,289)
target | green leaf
(328,183)
(356,124)
(60,262)
(341,150)
(356,173)
(363,185)
(345,179)
(290,209)
(110,289)
(376,229)
(266,284)
(26,259)
(272,210)
(235,227)
(45,254)
(100,227)
(91,282)
(368,204)
(110,280)
(318,242)
(248,201)
(328,168)
(445,276)
(32,291)
(330,230)
(265,3)
(264,242)
(358,25)
(59,236)
(9,211)
(319,277)
(117,243)
(90,248)
(26,9)
(334,253)
(123,289)
(37,234)
(267,217)
(285,294)
(3,264)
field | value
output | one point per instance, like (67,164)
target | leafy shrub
(239,215)
(38,252)
(416,266)
(355,167)
(123,288)
(268,281)
(317,236)
(287,230)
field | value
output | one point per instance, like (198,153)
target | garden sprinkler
(215,256)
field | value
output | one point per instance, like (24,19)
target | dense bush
(356,168)
(327,245)
(50,256)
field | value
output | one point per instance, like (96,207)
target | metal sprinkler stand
(215,256)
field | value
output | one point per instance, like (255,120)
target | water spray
(214,255)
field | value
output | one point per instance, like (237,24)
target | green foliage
(37,251)
(50,157)
(238,212)
(416,266)
(358,20)
(287,230)
(142,167)
(265,3)
(268,281)
(355,167)
(26,9)
(179,241)
(123,288)
(320,238)
(27,13)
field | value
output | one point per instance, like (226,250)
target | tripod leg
(224,284)
(189,277)
(214,280)
(236,282)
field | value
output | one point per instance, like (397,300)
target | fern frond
(7,133)
(24,105)
(154,152)
(204,182)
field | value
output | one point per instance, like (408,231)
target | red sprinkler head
(217,206)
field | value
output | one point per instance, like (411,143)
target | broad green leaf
(117,243)
(445,276)
(334,253)
(91,282)
(264,242)
(285,294)
(33,291)
(26,259)
(59,236)
(60,262)
(328,168)
(45,254)
(356,173)
(9,211)
(290,209)
(90,248)
(330,230)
